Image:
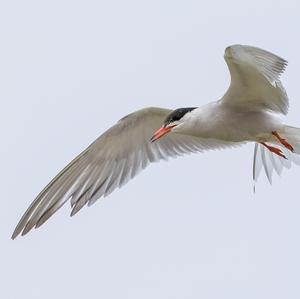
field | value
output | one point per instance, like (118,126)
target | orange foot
(283,141)
(274,150)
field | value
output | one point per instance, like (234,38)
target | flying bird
(246,113)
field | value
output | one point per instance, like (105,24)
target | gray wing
(255,79)
(110,162)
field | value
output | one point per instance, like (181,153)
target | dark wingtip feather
(14,235)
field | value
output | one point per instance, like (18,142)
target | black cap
(177,114)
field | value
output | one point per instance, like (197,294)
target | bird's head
(174,119)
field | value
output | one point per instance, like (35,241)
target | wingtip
(74,211)
(27,228)
(16,232)
(13,236)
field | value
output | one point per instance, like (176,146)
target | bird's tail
(263,158)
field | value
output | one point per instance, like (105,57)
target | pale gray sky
(189,228)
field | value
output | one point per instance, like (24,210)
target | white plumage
(244,114)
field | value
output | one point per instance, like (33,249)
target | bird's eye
(168,123)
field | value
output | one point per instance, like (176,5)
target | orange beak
(161,132)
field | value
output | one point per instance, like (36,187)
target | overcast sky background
(189,228)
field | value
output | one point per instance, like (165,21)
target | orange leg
(274,150)
(283,141)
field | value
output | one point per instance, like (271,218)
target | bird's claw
(274,150)
(283,141)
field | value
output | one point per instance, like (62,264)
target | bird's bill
(161,132)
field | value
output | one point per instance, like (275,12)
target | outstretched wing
(110,162)
(255,80)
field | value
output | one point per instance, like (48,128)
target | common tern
(246,113)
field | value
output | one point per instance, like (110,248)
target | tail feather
(271,162)
(292,134)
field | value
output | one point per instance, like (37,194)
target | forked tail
(263,158)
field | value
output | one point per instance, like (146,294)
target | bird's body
(220,121)
(246,113)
